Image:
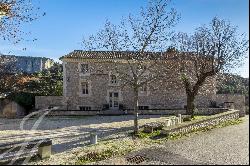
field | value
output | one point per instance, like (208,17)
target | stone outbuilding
(11,109)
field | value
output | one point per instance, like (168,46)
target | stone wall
(201,111)
(43,102)
(209,111)
(11,109)
(197,124)
(73,113)
(237,100)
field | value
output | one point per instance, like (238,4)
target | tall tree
(140,38)
(212,49)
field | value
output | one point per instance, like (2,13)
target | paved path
(228,145)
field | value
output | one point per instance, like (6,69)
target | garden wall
(43,102)
(73,113)
(197,124)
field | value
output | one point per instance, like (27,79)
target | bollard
(179,116)
(173,121)
(93,138)
(168,122)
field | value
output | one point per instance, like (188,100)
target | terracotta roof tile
(80,54)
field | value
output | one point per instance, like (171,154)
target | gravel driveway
(222,146)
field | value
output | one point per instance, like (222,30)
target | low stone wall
(158,112)
(237,100)
(208,121)
(73,113)
(210,111)
(201,111)
(43,102)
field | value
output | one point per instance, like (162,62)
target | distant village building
(29,64)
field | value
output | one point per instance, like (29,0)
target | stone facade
(29,64)
(168,95)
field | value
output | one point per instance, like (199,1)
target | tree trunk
(190,104)
(136,126)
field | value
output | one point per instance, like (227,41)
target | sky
(66,22)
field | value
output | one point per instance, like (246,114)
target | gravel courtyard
(68,133)
(228,145)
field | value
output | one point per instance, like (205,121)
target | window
(84,68)
(85,88)
(143,67)
(143,88)
(84,108)
(143,107)
(116,94)
(113,79)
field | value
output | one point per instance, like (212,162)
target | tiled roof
(79,54)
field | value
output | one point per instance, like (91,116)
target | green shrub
(148,135)
(187,119)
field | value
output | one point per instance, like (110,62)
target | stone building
(28,64)
(90,83)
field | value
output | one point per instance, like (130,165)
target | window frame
(84,88)
(81,71)
(111,83)
(140,106)
(85,108)
(81,89)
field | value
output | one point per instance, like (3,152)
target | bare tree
(13,13)
(141,42)
(211,50)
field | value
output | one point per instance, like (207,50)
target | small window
(143,88)
(143,107)
(113,79)
(84,68)
(85,88)
(84,108)
(116,95)
(143,67)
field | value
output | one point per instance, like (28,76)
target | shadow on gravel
(163,155)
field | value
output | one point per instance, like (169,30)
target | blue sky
(67,21)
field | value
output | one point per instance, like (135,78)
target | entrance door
(114,100)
